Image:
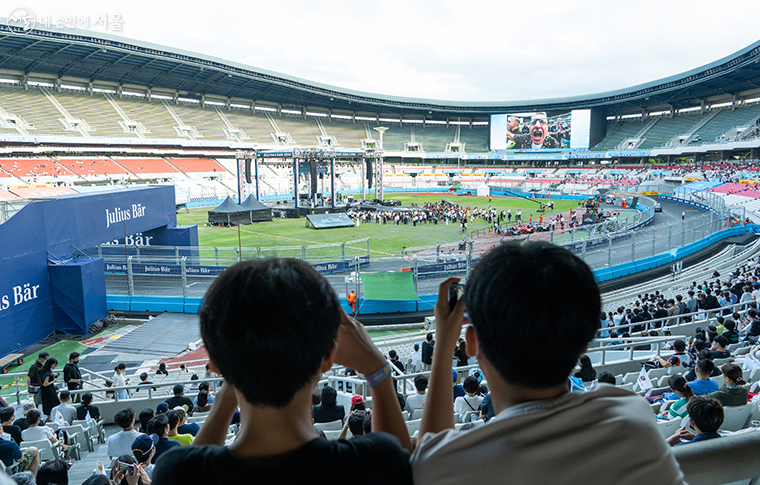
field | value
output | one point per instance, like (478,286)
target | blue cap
(454,374)
(162,408)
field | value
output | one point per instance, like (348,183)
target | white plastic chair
(415,414)
(331,426)
(735,417)
(412,426)
(46,449)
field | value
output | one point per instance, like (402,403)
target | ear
(473,344)
(328,361)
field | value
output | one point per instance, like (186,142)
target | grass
(384,239)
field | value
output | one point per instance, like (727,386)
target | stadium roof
(66,53)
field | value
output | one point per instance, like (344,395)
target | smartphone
(456,291)
(127,468)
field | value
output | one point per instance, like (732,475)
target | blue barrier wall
(56,230)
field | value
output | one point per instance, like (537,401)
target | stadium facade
(708,112)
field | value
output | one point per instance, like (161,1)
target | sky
(448,50)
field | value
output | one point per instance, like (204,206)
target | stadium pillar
(364,175)
(240,178)
(332,183)
(754,153)
(295,183)
(256,172)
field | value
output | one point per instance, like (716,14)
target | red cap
(357,400)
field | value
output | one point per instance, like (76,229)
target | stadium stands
(152,115)
(92,167)
(96,111)
(27,168)
(144,166)
(199,165)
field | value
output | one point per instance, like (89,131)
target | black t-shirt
(71,371)
(427,353)
(327,414)
(21,423)
(175,401)
(717,354)
(15,433)
(82,412)
(373,459)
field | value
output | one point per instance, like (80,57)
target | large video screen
(537,131)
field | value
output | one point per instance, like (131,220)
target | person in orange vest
(352,301)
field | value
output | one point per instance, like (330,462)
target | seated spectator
(357,404)
(461,354)
(730,332)
(703,384)
(210,375)
(682,394)
(486,407)
(194,386)
(416,356)
(184,427)
(65,409)
(10,452)
(417,400)
(395,360)
(145,416)
(458,388)
(53,472)
(607,378)
(179,399)
(355,424)
(706,415)
(86,408)
(470,401)
(144,381)
(202,405)
(718,348)
(329,410)
(120,443)
(679,357)
(162,408)
(733,392)
(305,337)
(162,370)
(36,432)
(183,439)
(204,386)
(127,472)
(703,354)
(587,372)
(159,425)
(143,449)
(536,417)
(6,419)
(21,422)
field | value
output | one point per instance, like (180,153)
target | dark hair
(705,366)
(157,425)
(86,398)
(73,355)
(699,345)
(706,414)
(429,336)
(729,324)
(145,416)
(678,383)
(500,296)
(359,407)
(6,413)
(64,395)
(43,355)
(97,480)
(48,365)
(194,377)
(202,398)
(32,416)
(122,366)
(203,386)
(304,334)
(721,340)
(367,424)
(471,385)
(587,372)
(607,377)
(356,423)
(679,345)
(733,372)
(53,472)
(178,389)
(143,376)
(420,383)
(173,418)
(124,418)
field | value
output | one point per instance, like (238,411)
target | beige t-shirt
(604,436)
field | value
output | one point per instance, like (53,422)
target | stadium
(200,162)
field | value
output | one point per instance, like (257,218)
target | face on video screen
(529,131)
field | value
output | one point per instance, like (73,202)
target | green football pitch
(384,239)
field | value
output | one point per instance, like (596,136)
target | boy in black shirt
(243,320)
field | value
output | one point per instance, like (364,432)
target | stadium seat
(413,426)
(79,433)
(735,417)
(667,428)
(416,414)
(46,449)
(331,426)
